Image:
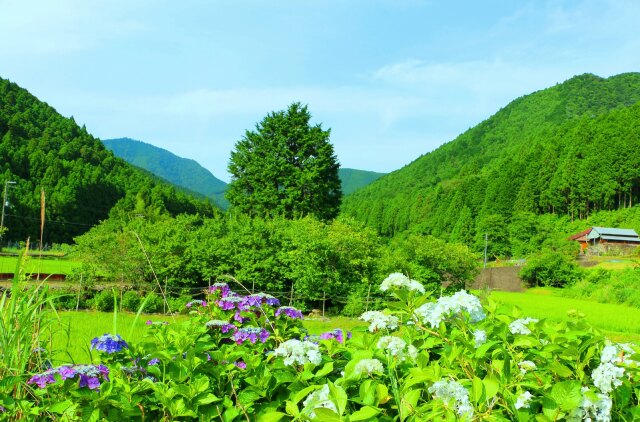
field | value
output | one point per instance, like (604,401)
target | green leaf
(60,407)
(567,394)
(409,403)
(477,391)
(326,415)
(339,397)
(364,413)
(291,408)
(326,369)
(560,370)
(491,386)
(271,417)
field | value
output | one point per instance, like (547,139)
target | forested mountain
(82,180)
(180,171)
(353,179)
(568,150)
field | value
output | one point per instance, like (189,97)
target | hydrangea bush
(240,358)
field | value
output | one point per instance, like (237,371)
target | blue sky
(393,79)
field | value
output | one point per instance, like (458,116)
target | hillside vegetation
(179,171)
(353,179)
(570,151)
(83,181)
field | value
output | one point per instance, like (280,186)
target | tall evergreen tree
(285,167)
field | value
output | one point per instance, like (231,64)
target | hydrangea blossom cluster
(397,348)
(607,376)
(521,326)
(598,410)
(299,352)
(336,334)
(526,366)
(289,311)
(89,375)
(109,343)
(222,288)
(252,334)
(223,326)
(401,282)
(229,302)
(259,299)
(435,312)
(202,303)
(368,367)
(451,391)
(380,321)
(319,398)
(479,337)
(523,400)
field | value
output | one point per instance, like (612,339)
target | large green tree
(285,167)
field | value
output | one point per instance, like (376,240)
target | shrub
(131,301)
(550,268)
(154,303)
(242,358)
(103,301)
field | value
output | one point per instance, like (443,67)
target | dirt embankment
(501,278)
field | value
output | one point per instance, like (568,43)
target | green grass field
(74,330)
(35,265)
(619,322)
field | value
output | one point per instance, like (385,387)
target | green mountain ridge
(570,150)
(183,172)
(189,174)
(83,182)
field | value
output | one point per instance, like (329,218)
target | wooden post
(291,296)
(366,305)
(79,292)
(324,299)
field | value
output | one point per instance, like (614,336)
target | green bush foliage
(103,301)
(550,268)
(420,359)
(131,300)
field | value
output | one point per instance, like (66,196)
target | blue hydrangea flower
(109,343)
(289,311)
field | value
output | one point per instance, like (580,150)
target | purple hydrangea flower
(89,375)
(252,334)
(149,322)
(289,311)
(109,343)
(224,326)
(240,364)
(196,303)
(259,299)
(154,361)
(223,288)
(230,302)
(336,334)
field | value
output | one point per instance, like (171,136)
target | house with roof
(606,239)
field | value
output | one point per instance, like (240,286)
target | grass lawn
(35,265)
(618,322)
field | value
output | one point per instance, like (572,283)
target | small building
(606,239)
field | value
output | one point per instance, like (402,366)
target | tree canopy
(286,167)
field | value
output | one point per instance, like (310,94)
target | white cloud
(58,27)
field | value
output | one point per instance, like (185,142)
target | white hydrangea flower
(368,367)
(401,281)
(523,400)
(617,353)
(520,326)
(397,348)
(525,366)
(598,411)
(380,321)
(606,377)
(435,312)
(319,398)
(479,337)
(299,352)
(449,390)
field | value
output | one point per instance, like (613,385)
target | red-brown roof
(581,234)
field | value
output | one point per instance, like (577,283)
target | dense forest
(568,151)
(82,180)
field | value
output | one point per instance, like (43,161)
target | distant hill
(353,179)
(82,180)
(192,176)
(569,150)
(180,171)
